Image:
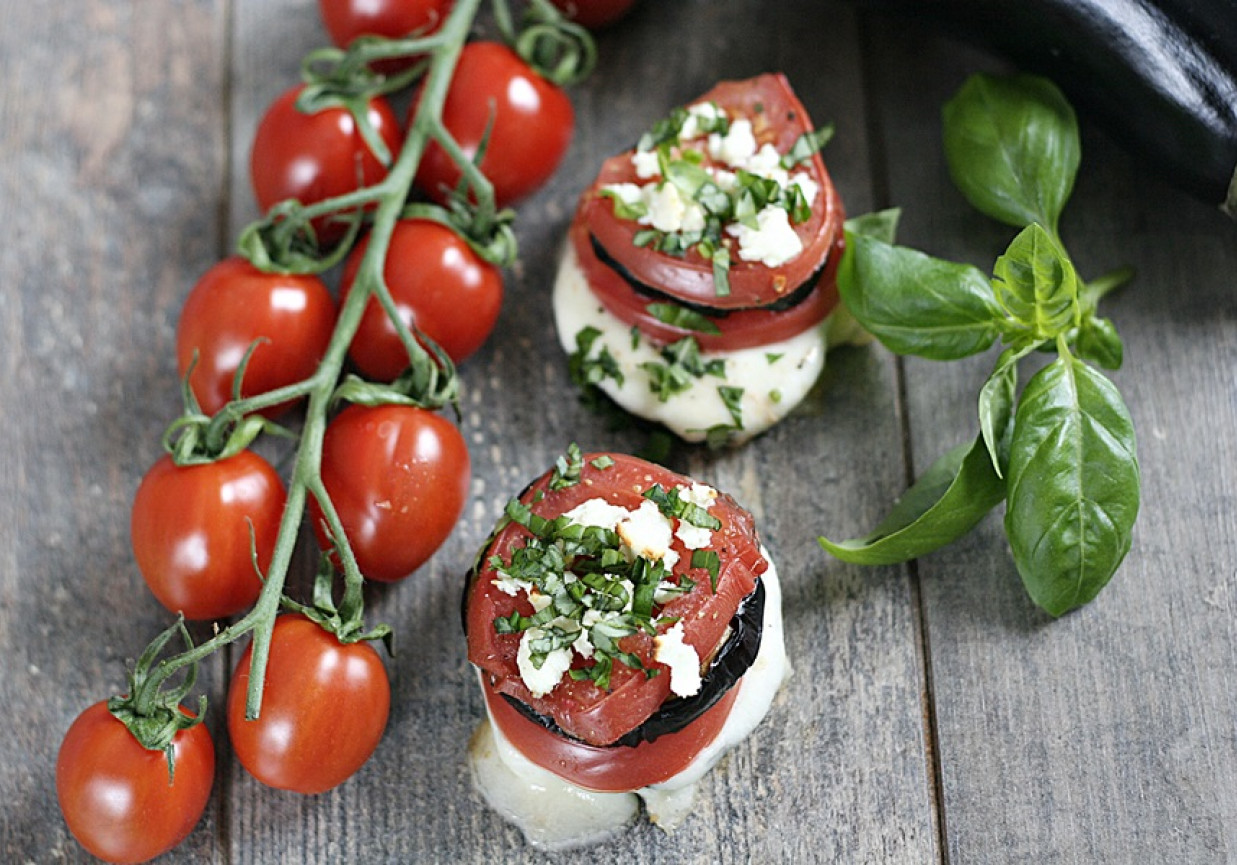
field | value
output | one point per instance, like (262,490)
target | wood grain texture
(1105,736)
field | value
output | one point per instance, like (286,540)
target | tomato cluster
(213,523)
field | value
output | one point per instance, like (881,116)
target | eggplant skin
(1160,77)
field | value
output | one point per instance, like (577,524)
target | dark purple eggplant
(1160,77)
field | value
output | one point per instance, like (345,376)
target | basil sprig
(1063,456)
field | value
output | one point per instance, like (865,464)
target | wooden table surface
(935,715)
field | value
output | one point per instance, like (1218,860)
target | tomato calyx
(345,620)
(557,49)
(152,714)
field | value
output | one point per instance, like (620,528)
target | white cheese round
(556,815)
(774,377)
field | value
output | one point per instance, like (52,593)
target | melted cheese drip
(770,390)
(556,815)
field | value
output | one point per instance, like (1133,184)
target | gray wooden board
(1106,736)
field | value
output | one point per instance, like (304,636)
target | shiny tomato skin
(532,124)
(190,528)
(580,708)
(345,20)
(398,477)
(779,118)
(312,157)
(324,709)
(594,14)
(438,283)
(233,305)
(114,794)
(616,769)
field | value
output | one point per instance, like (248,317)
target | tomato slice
(738,329)
(778,118)
(615,769)
(580,708)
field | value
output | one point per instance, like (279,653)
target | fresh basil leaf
(1098,342)
(916,304)
(943,505)
(682,317)
(1073,485)
(1036,284)
(1012,147)
(879,224)
(996,406)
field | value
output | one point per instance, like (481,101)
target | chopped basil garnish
(602,462)
(682,367)
(682,317)
(674,505)
(806,145)
(711,562)
(567,468)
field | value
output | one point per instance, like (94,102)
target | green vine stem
(388,198)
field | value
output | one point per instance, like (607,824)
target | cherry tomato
(115,794)
(581,709)
(312,157)
(398,476)
(324,708)
(438,283)
(610,770)
(190,528)
(532,124)
(594,14)
(234,304)
(345,20)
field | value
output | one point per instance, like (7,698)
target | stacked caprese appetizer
(625,624)
(699,273)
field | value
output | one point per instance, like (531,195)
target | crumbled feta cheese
(700,495)
(773,242)
(764,161)
(666,207)
(646,531)
(646,164)
(628,193)
(736,146)
(696,113)
(597,512)
(511,586)
(541,681)
(695,537)
(724,179)
(682,660)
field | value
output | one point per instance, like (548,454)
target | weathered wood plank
(1106,735)
(110,141)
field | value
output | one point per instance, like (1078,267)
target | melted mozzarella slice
(557,815)
(774,377)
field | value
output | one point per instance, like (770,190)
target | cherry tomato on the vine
(439,284)
(312,157)
(233,305)
(191,526)
(398,476)
(345,20)
(594,14)
(324,709)
(532,124)
(115,794)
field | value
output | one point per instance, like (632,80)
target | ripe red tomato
(324,708)
(312,157)
(234,304)
(345,20)
(594,14)
(190,528)
(398,476)
(532,124)
(114,794)
(439,284)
